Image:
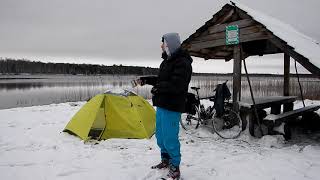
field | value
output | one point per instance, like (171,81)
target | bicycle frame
(204,114)
(225,122)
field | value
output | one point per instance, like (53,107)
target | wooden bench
(261,103)
(278,123)
(292,114)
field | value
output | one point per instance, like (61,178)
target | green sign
(232,34)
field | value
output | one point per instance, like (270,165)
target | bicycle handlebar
(210,97)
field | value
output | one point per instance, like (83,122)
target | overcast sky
(126,31)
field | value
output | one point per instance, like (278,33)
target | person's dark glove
(154,90)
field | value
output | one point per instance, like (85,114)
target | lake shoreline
(28,90)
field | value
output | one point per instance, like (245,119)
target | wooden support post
(286,75)
(286,82)
(236,76)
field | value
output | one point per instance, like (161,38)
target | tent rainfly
(113,115)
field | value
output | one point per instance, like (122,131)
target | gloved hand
(154,90)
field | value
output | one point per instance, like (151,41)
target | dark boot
(174,172)
(163,164)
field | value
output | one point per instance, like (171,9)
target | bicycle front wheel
(192,121)
(229,125)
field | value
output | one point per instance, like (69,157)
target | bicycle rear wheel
(229,125)
(191,121)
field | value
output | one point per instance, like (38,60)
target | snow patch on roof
(302,44)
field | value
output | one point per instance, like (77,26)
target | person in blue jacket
(169,91)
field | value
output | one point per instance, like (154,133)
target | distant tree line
(18,66)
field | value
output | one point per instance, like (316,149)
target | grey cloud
(118,29)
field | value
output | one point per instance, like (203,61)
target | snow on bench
(294,113)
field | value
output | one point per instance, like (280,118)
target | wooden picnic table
(267,102)
(273,102)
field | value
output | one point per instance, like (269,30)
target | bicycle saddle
(195,88)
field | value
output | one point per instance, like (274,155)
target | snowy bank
(32,146)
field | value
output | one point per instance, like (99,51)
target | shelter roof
(259,34)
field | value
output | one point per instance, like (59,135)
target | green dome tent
(113,115)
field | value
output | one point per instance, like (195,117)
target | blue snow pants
(167,134)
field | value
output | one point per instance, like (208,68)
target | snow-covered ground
(32,146)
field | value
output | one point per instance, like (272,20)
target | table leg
(276,109)
(243,116)
(251,120)
(287,107)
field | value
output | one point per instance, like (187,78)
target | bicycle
(225,122)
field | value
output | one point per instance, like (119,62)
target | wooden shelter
(233,33)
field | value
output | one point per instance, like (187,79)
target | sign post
(232,34)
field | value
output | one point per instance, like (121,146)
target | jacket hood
(173,42)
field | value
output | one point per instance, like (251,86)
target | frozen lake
(28,90)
